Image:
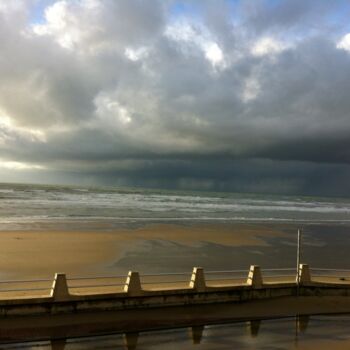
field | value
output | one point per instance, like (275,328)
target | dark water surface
(315,332)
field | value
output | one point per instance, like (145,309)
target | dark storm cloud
(250,96)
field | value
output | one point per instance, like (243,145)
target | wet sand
(42,253)
(155,248)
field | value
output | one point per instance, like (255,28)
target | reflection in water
(197,334)
(300,333)
(254,327)
(58,344)
(302,323)
(130,340)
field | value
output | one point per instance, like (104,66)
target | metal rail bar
(24,290)
(26,281)
(166,282)
(320,269)
(226,279)
(282,269)
(94,278)
(228,271)
(279,276)
(331,276)
(167,274)
(276,274)
(97,286)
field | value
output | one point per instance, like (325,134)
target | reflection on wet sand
(130,340)
(302,323)
(254,326)
(299,333)
(58,344)
(196,335)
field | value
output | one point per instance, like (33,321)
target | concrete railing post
(60,290)
(304,274)
(133,284)
(197,279)
(255,277)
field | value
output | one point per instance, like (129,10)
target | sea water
(22,205)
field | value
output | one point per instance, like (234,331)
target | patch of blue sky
(184,8)
(194,9)
(339,19)
(37,14)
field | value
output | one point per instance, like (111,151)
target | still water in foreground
(314,332)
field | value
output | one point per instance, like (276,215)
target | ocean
(22,205)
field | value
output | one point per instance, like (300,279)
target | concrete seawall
(134,296)
(136,308)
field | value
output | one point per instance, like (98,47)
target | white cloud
(344,42)
(267,46)
(11,5)
(13,165)
(197,36)
(251,89)
(136,54)
(111,113)
(61,24)
(214,54)
(10,131)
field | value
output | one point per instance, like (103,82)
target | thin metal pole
(298,260)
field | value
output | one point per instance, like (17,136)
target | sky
(222,95)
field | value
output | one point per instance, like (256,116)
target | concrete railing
(134,284)
(144,291)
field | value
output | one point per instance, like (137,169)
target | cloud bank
(216,95)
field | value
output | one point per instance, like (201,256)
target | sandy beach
(42,253)
(154,248)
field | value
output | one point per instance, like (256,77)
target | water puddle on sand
(302,333)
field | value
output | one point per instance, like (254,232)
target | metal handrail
(166,282)
(279,276)
(227,271)
(94,278)
(167,274)
(24,290)
(26,281)
(97,285)
(281,269)
(333,276)
(321,269)
(226,278)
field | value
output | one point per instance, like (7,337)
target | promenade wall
(198,292)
